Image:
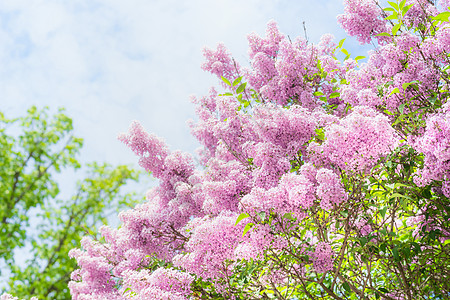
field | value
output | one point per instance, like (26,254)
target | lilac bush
(320,176)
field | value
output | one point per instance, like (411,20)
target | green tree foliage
(27,166)
(29,162)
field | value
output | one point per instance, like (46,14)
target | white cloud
(109,62)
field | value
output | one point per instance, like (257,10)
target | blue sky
(110,62)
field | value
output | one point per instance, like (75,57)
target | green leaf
(444,16)
(394,16)
(383,211)
(406,8)
(402,4)
(225,80)
(346,287)
(426,193)
(288,216)
(362,241)
(418,249)
(247,228)
(395,28)
(383,34)
(407,84)
(406,252)
(389,9)
(395,253)
(320,135)
(343,50)
(394,91)
(334,95)
(382,289)
(241,217)
(393,4)
(262,215)
(404,204)
(389,83)
(318,93)
(341,42)
(399,119)
(399,196)
(359,57)
(237,80)
(398,184)
(432,100)
(401,108)
(241,88)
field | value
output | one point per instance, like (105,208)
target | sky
(109,62)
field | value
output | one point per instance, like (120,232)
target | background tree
(43,146)
(27,166)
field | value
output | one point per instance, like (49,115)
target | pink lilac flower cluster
(296,193)
(151,150)
(94,278)
(390,67)
(203,129)
(270,164)
(312,186)
(329,189)
(418,12)
(164,284)
(288,129)
(287,74)
(300,189)
(363,227)
(322,257)
(220,63)
(363,19)
(269,45)
(212,241)
(327,46)
(222,185)
(292,65)
(435,145)
(357,142)
(443,38)
(260,239)
(173,169)
(407,57)
(262,52)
